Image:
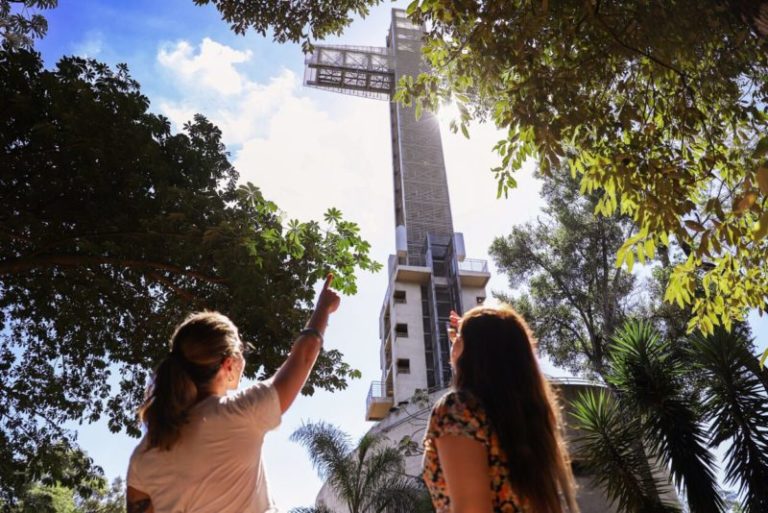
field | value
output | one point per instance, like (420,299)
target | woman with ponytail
(493,443)
(201,451)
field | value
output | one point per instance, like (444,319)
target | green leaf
(760,230)
(761,149)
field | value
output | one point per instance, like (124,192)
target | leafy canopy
(660,105)
(20,24)
(575,298)
(113,229)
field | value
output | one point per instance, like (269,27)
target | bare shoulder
(138,501)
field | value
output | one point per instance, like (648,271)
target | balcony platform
(474,272)
(378,403)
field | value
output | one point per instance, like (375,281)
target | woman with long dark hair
(202,448)
(493,442)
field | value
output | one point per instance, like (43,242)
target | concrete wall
(469,296)
(411,347)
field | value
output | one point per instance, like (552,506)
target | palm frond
(330,451)
(320,508)
(735,403)
(649,382)
(607,446)
(369,478)
(402,494)
(383,463)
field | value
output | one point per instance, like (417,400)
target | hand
(328,300)
(453,326)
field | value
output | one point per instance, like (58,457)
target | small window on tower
(401,330)
(399,296)
(480,300)
(403,366)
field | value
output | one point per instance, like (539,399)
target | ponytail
(171,395)
(199,346)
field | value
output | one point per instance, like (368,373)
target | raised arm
(291,376)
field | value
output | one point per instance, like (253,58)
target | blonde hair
(199,346)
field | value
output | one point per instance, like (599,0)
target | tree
(113,229)
(648,398)
(647,380)
(607,446)
(658,104)
(369,477)
(72,485)
(18,27)
(734,402)
(666,119)
(576,298)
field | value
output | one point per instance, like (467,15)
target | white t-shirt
(216,465)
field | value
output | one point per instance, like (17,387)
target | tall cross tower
(429,275)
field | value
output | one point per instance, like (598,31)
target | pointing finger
(328,281)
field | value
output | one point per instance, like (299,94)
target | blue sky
(308,150)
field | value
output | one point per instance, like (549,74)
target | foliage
(321,508)
(660,105)
(51,466)
(113,229)
(18,27)
(575,298)
(47,499)
(368,477)
(291,21)
(73,485)
(608,448)
(646,375)
(735,404)
(648,381)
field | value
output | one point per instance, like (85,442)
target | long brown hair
(199,346)
(498,366)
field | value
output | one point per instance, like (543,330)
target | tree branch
(181,292)
(21,265)
(649,55)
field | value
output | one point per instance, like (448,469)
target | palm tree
(608,448)
(735,403)
(368,478)
(649,383)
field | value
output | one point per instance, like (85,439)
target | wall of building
(410,347)
(470,295)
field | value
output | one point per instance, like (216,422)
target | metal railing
(568,380)
(378,390)
(474,265)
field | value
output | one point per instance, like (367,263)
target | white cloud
(213,67)
(303,156)
(90,46)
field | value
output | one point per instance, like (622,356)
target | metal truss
(356,70)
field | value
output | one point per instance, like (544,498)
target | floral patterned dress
(458,413)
